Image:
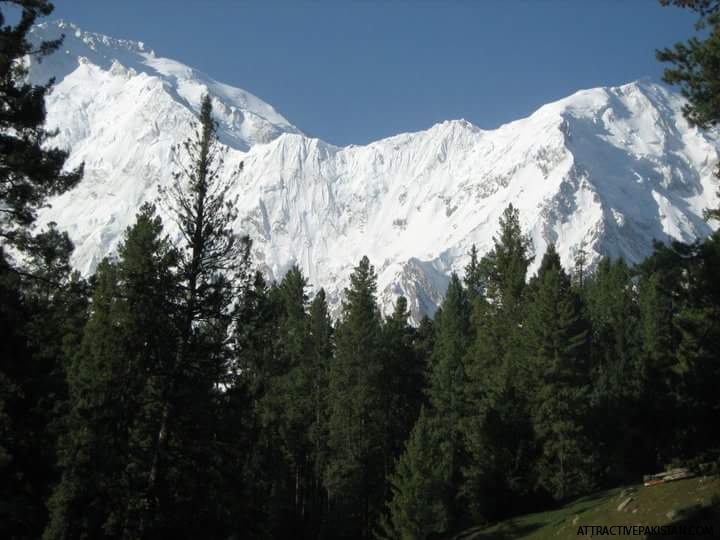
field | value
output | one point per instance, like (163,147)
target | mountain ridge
(609,169)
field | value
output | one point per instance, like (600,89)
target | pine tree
(425,341)
(660,299)
(255,335)
(200,205)
(616,368)
(448,387)
(557,344)
(14,352)
(497,316)
(694,372)
(580,271)
(404,380)
(149,293)
(31,375)
(92,391)
(42,317)
(696,68)
(419,485)
(126,347)
(256,346)
(29,170)
(354,475)
(505,267)
(498,436)
(321,346)
(288,407)
(473,275)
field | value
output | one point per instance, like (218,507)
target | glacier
(607,169)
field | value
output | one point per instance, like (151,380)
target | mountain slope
(610,169)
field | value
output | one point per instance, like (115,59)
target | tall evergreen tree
(404,379)
(189,438)
(419,485)
(679,299)
(448,388)
(354,474)
(696,68)
(30,171)
(697,366)
(42,313)
(256,341)
(616,370)
(661,296)
(505,267)
(125,349)
(497,316)
(321,347)
(289,408)
(557,345)
(473,275)
(498,435)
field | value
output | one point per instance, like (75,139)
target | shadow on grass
(506,531)
(587,501)
(697,516)
(515,528)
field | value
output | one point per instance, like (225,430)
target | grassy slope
(689,499)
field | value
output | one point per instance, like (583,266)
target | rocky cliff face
(609,169)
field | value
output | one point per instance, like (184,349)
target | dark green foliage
(557,352)
(13,408)
(355,470)
(504,269)
(447,378)
(696,64)
(29,171)
(447,395)
(320,350)
(405,371)
(611,303)
(290,401)
(292,409)
(498,435)
(679,303)
(696,68)
(191,399)
(92,390)
(190,438)
(114,379)
(473,275)
(152,394)
(617,372)
(419,485)
(41,305)
(291,428)
(255,343)
(42,314)
(495,359)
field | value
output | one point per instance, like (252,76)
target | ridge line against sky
(352,71)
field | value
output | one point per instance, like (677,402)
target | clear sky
(352,71)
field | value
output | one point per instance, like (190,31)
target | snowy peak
(606,169)
(244,118)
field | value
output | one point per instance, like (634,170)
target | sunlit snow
(608,168)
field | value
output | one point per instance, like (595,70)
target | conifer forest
(178,393)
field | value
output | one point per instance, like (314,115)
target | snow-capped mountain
(610,169)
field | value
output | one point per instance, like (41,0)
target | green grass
(692,501)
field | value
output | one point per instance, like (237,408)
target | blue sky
(352,71)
